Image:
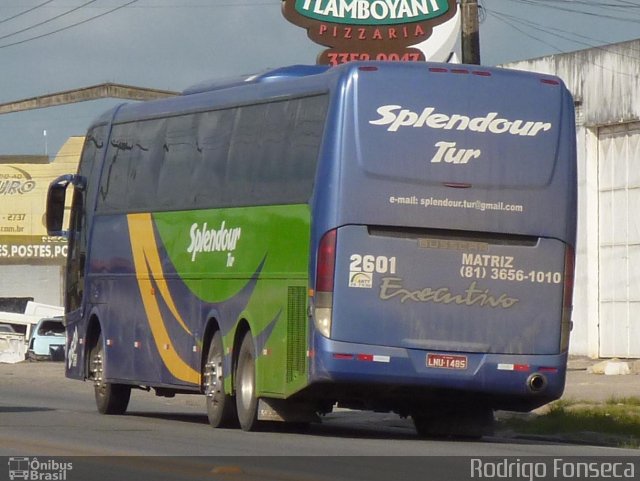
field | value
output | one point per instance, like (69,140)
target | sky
(48,46)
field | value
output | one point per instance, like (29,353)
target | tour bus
(393,237)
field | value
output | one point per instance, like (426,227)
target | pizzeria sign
(369,29)
(377,12)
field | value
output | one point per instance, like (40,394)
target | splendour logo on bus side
(206,239)
(368,12)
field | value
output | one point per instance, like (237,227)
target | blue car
(47,340)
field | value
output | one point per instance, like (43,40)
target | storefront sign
(23,193)
(369,29)
(33,250)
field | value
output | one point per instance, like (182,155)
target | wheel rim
(213,379)
(246,383)
(97,371)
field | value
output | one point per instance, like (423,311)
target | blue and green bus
(394,237)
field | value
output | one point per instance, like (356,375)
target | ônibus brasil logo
(369,29)
(32,469)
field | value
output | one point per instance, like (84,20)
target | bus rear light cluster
(514,367)
(326,262)
(567,297)
(325,268)
(361,357)
(525,368)
(464,71)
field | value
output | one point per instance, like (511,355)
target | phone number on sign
(516,275)
(337,58)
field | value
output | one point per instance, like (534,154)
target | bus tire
(221,409)
(246,400)
(110,398)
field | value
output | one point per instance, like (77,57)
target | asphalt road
(44,414)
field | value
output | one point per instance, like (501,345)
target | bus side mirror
(56,197)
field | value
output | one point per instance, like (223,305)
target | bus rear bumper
(507,381)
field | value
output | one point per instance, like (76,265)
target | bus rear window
(427,135)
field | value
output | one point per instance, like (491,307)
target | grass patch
(616,422)
(628,401)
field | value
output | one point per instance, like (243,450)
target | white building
(605,83)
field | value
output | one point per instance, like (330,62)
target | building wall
(42,283)
(605,83)
(31,261)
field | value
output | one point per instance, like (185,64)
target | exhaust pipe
(536,383)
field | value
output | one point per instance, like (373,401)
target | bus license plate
(446,361)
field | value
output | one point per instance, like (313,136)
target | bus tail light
(325,268)
(567,297)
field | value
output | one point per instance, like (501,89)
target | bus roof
(285,81)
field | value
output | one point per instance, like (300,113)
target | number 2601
(369,263)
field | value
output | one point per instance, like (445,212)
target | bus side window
(114,182)
(304,145)
(276,136)
(180,154)
(214,137)
(245,154)
(146,157)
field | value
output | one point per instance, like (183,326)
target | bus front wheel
(110,398)
(246,400)
(220,406)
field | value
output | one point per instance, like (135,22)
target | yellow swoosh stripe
(153,260)
(143,247)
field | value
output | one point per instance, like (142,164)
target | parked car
(47,340)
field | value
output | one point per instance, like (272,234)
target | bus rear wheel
(245,380)
(110,398)
(220,406)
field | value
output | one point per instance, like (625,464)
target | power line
(216,5)
(31,27)
(82,22)
(553,31)
(596,3)
(511,21)
(512,25)
(573,10)
(247,3)
(26,11)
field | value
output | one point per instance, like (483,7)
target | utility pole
(470,32)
